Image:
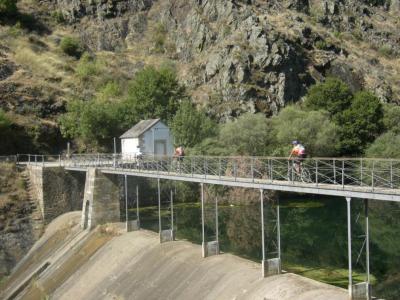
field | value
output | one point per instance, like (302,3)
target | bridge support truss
(271,266)
(166,235)
(131,225)
(362,290)
(209,248)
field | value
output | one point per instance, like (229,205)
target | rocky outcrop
(235,59)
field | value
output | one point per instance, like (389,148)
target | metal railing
(362,172)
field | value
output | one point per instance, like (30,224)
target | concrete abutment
(101,201)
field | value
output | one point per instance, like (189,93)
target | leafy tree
(385,146)
(312,128)
(153,94)
(8,8)
(391,117)
(361,123)
(248,135)
(190,126)
(333,95)
(95,122)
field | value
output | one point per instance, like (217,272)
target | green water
(313,236)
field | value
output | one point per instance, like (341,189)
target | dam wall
(55,190)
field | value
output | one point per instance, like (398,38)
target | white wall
(129,146)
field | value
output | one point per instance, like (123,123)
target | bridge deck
(279,185)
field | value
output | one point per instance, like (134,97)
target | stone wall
(56,190)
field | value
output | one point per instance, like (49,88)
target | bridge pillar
(269,266)
(166,235)
(131,225)
(209,248)
(362,290)
(101,199)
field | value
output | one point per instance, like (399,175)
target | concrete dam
(108,263)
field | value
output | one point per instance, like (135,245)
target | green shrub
(385,146)
(361,124)
(71,46)
(190,126)
(391,118)
(8,8)
(333,95)
(88,67)
(312,128)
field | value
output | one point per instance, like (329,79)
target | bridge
(377,179)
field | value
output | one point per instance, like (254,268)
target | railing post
(391,174)
(29,159)
(361,171)
(372,175)
(334,171)
(252,168)
(235,169)
(348,199)
(316,172)
(343,174)
(219,168)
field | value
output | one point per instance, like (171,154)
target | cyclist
(299,154)
(179,154)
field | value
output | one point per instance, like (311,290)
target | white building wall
(129,146)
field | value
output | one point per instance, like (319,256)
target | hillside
(232,56)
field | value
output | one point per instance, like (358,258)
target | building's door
(160,147)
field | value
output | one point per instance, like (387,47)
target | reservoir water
(313,236)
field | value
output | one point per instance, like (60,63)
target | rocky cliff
(233,56)
(238,56)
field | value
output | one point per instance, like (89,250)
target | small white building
(147,137)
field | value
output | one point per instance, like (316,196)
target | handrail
(369,174)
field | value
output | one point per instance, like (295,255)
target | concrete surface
(106,264)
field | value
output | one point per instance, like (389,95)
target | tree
(94,122)
(153,94)
(361,123)
(190,126)
(385,146)
(250,134)
(391,117)
(8,8)
(333,95)
(311,128)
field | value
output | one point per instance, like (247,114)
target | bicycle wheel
(305,175)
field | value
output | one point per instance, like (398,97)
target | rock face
(241,56)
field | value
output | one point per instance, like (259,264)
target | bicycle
(304,175)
